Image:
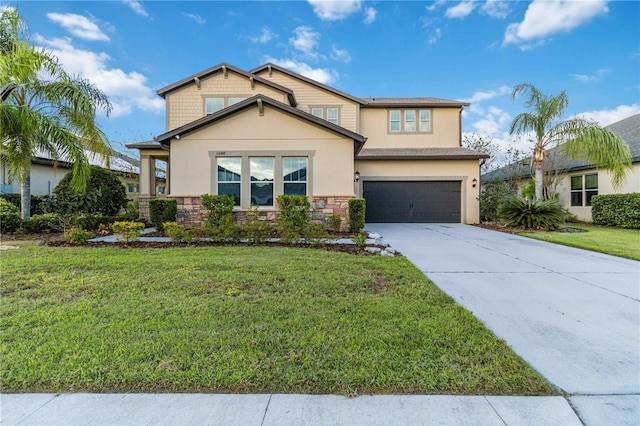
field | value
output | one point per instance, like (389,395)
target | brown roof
(420,154)
(414,102)
(219,68)
(165,138)
(145,145)
(266,66)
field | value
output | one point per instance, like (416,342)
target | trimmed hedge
(40,204)
(616,210)
(357,207)
(162,210)
(9,216)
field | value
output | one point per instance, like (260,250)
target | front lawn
(243,320)
(616,241)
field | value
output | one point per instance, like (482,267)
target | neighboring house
(256,135)
(578,180)
(46,173)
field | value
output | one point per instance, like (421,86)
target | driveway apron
(574,315)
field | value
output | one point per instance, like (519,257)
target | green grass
(616,241)
(242,320)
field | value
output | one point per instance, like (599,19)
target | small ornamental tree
(104,194)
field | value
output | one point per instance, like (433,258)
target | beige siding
(308,95)
(605,186)
(276,132)
(187,103)
(460,170)
(374,123)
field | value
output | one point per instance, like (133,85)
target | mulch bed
(500,227)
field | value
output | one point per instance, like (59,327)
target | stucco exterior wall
(605,186)
(454,170)
(43,179)
(308,95)
(445,130)
(186,104)
(275,132)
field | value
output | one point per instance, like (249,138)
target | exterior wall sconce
(356,176)
(474,182)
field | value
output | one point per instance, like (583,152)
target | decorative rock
(386,253)
(390,250)
(374,235)
(373,250)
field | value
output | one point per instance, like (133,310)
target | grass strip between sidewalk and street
(241,320)
(615,241)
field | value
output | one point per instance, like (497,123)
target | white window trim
(245,183)
(325,109)
(416,122)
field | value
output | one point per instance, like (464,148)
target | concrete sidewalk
(282,410)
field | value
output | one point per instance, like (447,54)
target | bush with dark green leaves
(44,222)
(219,208)
(517,212)
(357,208)
(9,216)
(493,193)
(162,210)
(616,210)
(40,204)
(104,194)
(293,218)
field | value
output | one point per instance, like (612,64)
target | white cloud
(437,33)
(78,25)
(340,54)
(264,37)
(461,10)
(369,15)
(606,117)
(334,10)
(489,94)
(322,75)
(136,6)
(494,122)
(588,78)
(496,8)
(126,90)
(436,5)
(306,40)
(544,18)
(199,19)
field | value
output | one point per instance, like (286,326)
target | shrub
(493,193)
(44,222)
(9,216)
(357,208)
(91,221)
(129,231)
(255,229)
(335,222)
(360,240)
(75,235)
(131,213)
(40,204)
(294,216)
(316,234)
(162,210)
(177,233)
(528,190)
(104,194)
(531,214)
(617,210)
(219,208)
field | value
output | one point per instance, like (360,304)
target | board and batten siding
(186,104)
(308,95)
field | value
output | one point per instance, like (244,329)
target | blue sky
(464,50)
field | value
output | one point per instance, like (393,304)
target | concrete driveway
(574,315)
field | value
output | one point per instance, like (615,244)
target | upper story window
(583,188)
(410,121)
(212,105)
(331,114)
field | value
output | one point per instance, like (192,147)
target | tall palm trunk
(25,194)
(538,158)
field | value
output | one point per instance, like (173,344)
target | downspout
(460,126)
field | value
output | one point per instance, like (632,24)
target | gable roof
(224,67)
(411,102)
(260,100)
(270,66)
(628,130)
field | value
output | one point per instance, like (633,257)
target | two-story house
(269,131)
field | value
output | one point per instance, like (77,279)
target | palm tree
(44,110)
(580,138)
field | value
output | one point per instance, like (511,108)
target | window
(414,120)
(583,188)
(212,105)
(294,170)
(259,177)
(229,177)
(261,169)
(132,187)
(331,114)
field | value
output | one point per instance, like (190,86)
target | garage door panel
(412,201)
